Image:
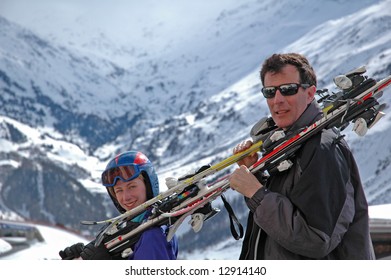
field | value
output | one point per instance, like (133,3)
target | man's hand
(71,252)
(250,159)
(243,181)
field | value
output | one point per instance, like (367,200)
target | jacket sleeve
(312,219)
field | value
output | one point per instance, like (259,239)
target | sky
(115,19)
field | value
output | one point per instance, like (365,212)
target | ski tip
(88,222)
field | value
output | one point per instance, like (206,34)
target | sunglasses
(125,173)
(285,89)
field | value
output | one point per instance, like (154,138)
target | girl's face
(130,194)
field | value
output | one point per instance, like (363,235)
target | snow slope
(55,239)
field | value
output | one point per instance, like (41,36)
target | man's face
(285,110)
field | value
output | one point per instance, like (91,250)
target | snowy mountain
(169,78)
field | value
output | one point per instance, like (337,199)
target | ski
(175,187)
(355,103)
(336,116)
(176,216)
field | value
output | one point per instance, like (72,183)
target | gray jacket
(316,209)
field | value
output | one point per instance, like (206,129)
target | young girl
(130,180)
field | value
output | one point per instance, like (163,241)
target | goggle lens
(125,173)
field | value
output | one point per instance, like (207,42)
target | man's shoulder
(325,139)
(323,145)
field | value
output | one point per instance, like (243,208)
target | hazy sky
(114,18)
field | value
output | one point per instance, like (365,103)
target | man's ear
(311,94)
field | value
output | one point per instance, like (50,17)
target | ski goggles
(285,89)
(125,173)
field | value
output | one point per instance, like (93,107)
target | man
(317,208)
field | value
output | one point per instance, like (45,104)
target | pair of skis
(356,102)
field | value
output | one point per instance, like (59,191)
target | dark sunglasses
(125,173)
(285,89)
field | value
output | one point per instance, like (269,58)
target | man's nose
(278,98)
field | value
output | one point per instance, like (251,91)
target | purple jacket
(153,245)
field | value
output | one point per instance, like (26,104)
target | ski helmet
(128,166)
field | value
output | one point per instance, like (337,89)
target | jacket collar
(311,114)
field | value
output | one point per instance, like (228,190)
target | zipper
(257,244)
